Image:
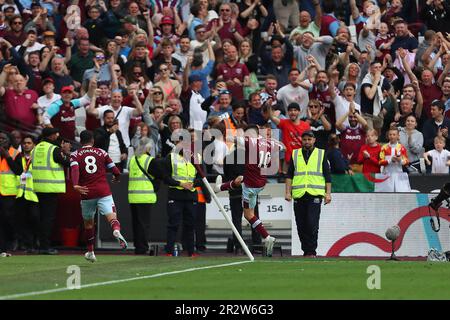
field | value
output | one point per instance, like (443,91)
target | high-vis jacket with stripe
(25,182)
(48,176)
(8,180)
(140,188)
(182,170)
(308,178)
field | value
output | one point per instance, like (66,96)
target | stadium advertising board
(355,225)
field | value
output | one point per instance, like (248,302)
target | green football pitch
(213,277)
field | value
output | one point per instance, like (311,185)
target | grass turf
(286,278)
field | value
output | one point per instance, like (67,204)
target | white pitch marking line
(36,293)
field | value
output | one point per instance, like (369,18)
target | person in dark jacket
(109,138)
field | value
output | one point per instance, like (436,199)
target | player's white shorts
(249,196)
(105,206)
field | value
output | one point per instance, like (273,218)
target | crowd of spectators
(351,71)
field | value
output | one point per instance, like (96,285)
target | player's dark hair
(86,136)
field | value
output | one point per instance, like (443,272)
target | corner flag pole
(222,210)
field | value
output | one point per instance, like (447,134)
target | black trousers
(307,215)
(178,211)
(200,226)
(140,215)
(48,203)
(27,213)
(237,212)
(7,225)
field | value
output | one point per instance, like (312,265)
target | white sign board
(354,224)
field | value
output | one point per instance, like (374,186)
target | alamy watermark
(374,280)
(262,152)
(74,280)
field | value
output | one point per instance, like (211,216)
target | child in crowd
(369,154)
(393,155)
(440,157)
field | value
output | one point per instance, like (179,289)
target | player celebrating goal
(88,168)
(258,151)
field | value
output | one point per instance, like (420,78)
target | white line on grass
(37,293)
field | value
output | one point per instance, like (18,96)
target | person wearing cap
(142,189)
(49,96)
(167,32)
(197,66)
(49,158)
(192,100)
(308,182)
(94,24)
(31,44)
(438,125)
(61,113)
(39,19)
(48,38)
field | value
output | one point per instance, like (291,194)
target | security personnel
(308,181)
(48,161)
(10,160)
(27,202)
(203,197)
(142,188)
(181,177)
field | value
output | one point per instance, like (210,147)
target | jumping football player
(258,151)
(88,168)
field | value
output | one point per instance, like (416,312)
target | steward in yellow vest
(49,161)
(181,177)
(308,181)
(27,206)
(10,166)
(142,188)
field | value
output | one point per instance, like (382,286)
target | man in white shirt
(121,113)
(48,86)
(293,92)
(31,44)
(183,52)
(342,103)
(192,100)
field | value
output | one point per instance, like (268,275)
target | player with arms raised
(88,169)
(258,164)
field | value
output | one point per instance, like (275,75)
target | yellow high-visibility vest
(182,170)
(140,188)
(8,180)
(48,176)
(308,177)
(25,183)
